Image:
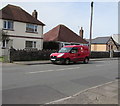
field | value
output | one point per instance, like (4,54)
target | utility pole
(91,25)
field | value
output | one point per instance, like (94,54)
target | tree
(3,35)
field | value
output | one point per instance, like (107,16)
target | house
(22,29)
(116,38)
(64,36)
(103,44)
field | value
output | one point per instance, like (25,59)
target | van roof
(76,46)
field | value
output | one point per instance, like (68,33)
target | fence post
(111,53)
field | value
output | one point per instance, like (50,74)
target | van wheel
(86,60)
(67,61)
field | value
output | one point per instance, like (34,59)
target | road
(42,83)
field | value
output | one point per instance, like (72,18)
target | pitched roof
(116,38)
(15,13)
(100,40)
(64,34)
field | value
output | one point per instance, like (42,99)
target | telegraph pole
(91,19)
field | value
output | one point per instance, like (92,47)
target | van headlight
(51,54)
(60,55)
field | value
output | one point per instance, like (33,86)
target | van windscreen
(65,50)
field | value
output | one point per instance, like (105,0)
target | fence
(31,55)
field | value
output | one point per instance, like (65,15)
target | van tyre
(67,61)
(86,60)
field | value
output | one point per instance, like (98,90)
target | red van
(70,53)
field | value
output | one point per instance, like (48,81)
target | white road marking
(41,71)
(99,65)
(73,96)
(53,70)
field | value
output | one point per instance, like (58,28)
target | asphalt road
(42,83)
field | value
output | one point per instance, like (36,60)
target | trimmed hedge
(95,54)
(100,54)
(31,55)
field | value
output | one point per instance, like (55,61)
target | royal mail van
(72,53)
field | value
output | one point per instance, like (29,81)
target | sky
(75,15)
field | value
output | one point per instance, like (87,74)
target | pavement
(48,61)
(102,94)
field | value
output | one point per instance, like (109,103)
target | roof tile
(64,34)
(15,13)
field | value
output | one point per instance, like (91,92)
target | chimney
(34,14)
(81,32)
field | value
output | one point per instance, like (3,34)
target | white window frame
(6,24)
(34,27)
(4,43)
(33,44)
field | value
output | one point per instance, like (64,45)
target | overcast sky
(75,15)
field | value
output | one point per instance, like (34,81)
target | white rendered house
(22,29)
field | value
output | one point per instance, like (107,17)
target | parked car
(72,53)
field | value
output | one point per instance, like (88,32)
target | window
(34,44)
(31,28)
(74,50)
(4,43)
(30,44)
(8,25)
(65,50)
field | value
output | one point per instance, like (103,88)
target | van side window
(74,50)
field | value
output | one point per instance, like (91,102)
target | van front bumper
(57,59)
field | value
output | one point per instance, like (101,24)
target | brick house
(104,44)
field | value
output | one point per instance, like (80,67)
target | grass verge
(1,59)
